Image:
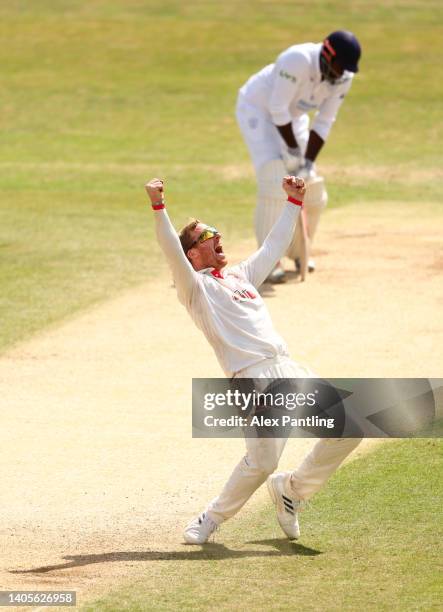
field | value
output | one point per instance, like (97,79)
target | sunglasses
(207,233)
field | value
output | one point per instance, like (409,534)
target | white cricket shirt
(293,86)
(225,304)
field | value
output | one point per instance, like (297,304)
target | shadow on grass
(207,552)
(287,547)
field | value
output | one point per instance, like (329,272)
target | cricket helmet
(342,46)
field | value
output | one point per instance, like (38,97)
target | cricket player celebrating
(272,112)
(225,305)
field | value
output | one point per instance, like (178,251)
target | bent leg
(319,464)
(261,459)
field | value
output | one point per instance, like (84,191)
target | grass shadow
(211,551)
(287,547)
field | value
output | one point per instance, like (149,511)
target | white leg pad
(270,197)
(315,201)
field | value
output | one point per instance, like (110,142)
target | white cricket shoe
(199,529)
(277,276)
(287,507)
(311,265)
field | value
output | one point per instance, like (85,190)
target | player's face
(336,69)
(333,72)
(207,249)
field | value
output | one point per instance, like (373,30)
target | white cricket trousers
(262,137)
(268,152)
(263,454)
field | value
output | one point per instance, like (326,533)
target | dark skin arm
(287,134)
(315,143)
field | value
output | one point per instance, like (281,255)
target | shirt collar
(212,272)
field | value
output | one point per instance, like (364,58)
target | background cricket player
(225,304)
(272,112)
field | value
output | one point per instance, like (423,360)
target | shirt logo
(243,294)
(286,75)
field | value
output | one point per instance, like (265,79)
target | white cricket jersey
(293,86)
(225,304)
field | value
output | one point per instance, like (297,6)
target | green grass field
(371,541)
(98,96)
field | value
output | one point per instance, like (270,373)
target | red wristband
(294,201)
(158,206)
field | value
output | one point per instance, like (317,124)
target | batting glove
(292,158)
(307,170)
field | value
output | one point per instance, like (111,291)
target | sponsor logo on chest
(286,75)
(235,286)
(243,294)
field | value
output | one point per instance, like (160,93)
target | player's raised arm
(261,263)
(182,271)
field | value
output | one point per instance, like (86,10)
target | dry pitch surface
(98,468)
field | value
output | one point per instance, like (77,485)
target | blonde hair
(185,235)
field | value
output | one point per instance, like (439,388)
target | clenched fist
(155,190)
(294,186)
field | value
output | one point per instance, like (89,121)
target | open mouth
(219,249)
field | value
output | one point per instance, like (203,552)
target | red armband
(158,206)
(294,201)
